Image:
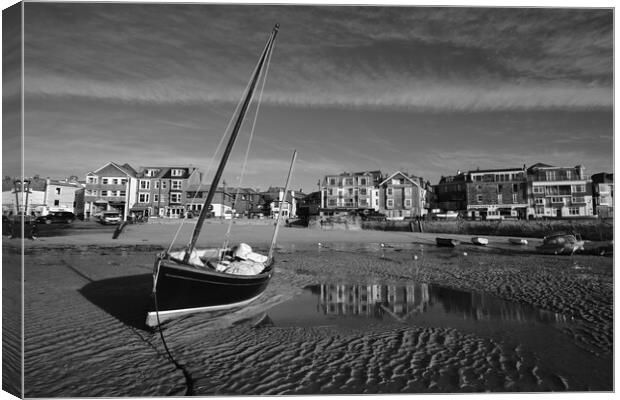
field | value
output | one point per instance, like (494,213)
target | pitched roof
(404,175)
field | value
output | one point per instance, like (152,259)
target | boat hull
(517,241)
(445,242)
(480,241)
(184,290)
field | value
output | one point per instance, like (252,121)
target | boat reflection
(408,301)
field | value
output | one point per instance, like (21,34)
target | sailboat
(195,280)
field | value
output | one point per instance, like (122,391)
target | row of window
(106,193)
(565,189)
(349,191)
(503,177)
(390,203)
(93,180)
(155,171)
(350,203)
(540,210)
(175,184)
(146,197)
(347,181)
(559,200)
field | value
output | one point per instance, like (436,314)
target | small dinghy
(480,241)
(517,241)
(446,242)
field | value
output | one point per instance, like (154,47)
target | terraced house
(161,190)
(351,191)
(559,191)
(111,187)
(497,193)
(401,196)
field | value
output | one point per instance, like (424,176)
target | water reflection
(410,302)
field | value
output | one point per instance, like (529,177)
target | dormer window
(177,172)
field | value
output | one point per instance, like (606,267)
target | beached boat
(194,280)
(517,241)
(560,243)
(447,242)
(480,241)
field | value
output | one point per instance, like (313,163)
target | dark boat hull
(184,290)
(445,242)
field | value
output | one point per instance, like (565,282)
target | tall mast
(231,141)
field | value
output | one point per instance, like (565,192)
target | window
(155,197)
(104,181)
(539,189)
(363,192)
(330,192)
(156,184)
(539,201)
(115,181)
(348,181)
(363,203)
(175,197)
(499,199)
(122,193)
(123,181)
(104,193)
(408,191)
(550,175)
(176,184)
(91,179)
(479,198)
(407,202)
(515,187)
(578,199)
(573,211)
(540,210)
(569,175)
(57,190)
(95,193)
(177,172)
(332,181)
(578,188)
(143,198)
(557,200)
(56,202)
(145,184)
(389,191)
(515,197)
(390,203)
(332,202)
(164,184)
(363,181)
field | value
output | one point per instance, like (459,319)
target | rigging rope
(247,151)
(210,167)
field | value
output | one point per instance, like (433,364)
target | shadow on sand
(125,298)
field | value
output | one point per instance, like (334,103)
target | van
(110,217)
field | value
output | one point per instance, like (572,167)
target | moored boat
(517,241)
(480,241)
(194,280)
(447,242)
(560,243)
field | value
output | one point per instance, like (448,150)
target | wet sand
(86,296)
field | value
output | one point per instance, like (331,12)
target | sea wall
(588,229)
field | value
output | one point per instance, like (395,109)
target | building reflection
(404,301)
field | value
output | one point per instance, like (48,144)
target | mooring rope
(188,378)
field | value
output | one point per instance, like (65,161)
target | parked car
(110,217)
(56,217)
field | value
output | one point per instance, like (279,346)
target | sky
(423,90)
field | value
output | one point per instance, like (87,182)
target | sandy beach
(86,294)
